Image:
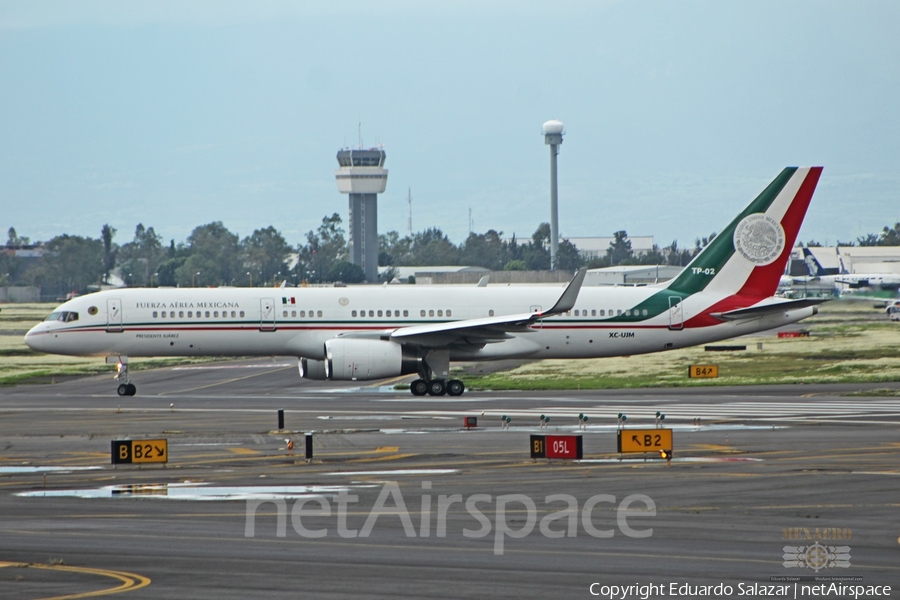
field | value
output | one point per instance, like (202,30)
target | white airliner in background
(369,332)
(877,281)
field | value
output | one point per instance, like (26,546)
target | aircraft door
(266,314)
(113,315)
(676,313)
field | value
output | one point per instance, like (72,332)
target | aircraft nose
(37,338)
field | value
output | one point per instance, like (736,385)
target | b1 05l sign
(557,446)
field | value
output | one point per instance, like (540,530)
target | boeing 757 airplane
(368,332)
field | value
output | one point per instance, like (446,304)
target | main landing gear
(437,387)
(435,365)
(126,388)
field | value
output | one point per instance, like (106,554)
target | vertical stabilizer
(747,258)
(813,265)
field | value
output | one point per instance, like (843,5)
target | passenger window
(302,314)
(207,314)
(172,314)
(380,313)
(371,313)
(577,313)
(284,314)
(405,313)
(387,313)
(180,314)
(440,313)
(448,312)
(190,314)
(232,314)
(491,313)
(593,312)
(319,313)
(431,312)
(628,313)
(618,312)
(644,312)
(216,314)
(155,314)
(352,313)
(421,313)
(242,314)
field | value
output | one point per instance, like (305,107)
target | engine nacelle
(311,368)
(351,359)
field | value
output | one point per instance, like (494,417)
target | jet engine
(353,358)
(311,368)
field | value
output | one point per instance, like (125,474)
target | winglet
(567,301)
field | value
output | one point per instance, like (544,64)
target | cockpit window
(65,316)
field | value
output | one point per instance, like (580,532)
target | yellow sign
(703,371)
(644,440)
(140,451)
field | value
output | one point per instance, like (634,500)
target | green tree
(139,259)
(70,263)
(107,233)
(619,249)
(214,254)
(536,254)
(515,265)
(890,236)
(13,238)
(346,272)
(675,256)
(264,253)
(568,258)
(485,250)
(324,247)
(432,247)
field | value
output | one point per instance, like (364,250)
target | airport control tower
(363,176)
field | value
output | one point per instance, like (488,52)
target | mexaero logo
(759,239)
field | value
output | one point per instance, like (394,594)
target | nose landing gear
(126,388)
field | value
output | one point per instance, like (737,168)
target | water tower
(553,137)
(361,174)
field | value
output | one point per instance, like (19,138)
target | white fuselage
(298,321)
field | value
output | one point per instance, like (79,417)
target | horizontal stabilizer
(488,329)
(767,309)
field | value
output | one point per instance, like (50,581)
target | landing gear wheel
(455,387)
(419,387)
(132,389)
(122,390)
(437,387)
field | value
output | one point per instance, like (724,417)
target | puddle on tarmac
(656,459)
(400,472)
(18,470)
(194,491)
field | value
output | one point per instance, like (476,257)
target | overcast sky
(176,114)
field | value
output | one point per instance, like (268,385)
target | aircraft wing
(754,312)
(477,332)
